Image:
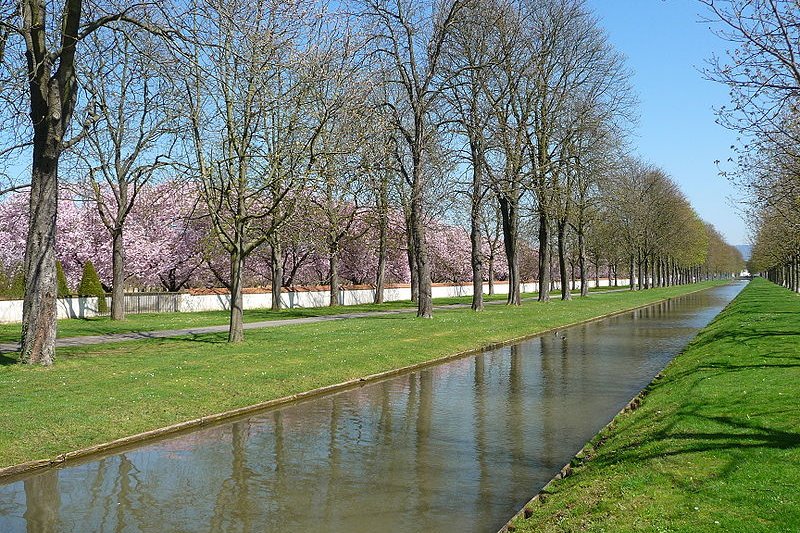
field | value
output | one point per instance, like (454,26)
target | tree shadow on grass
(737,434)
(6,360)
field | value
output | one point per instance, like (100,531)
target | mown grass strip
(100,393)
(715,445)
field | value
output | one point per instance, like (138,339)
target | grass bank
(715,445)
(104,392)
(79,327)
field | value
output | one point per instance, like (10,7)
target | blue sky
(666,48)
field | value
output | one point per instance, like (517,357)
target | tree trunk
(276,267)
(236,327)
(380,279)
(412,261)
(561,228)
(39,310)
(491,276)
(424,289)
(333,262)
(508,210)
(544,258)
(118,276)
(52,102)
(632,272)
(475,236)
(639,280)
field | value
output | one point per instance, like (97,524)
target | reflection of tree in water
(549,400)
(423,440)
(120,497)
(516,411)
(232,508)
(333,473)
(43,502)
(484,493)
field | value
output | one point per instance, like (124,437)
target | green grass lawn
(103,392)
(74,327)
(715,445)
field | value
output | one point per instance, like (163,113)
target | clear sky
(666,47)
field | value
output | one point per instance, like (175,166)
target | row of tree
(763,74)
(472,110)
(168,247)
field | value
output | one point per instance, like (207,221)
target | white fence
(83,307)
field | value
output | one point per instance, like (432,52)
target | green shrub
(16,287)
(61,279)
(90,286)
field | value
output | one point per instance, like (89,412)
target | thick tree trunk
(411,249)
(475,241)
(424,289)
(544,258)
(510,215)
(491,276)
(118,276)
(276,267)
(639,281)
(632,272)
(333,262)
(236,326)
(380,279)
(52,102)
(39,310)
(550,256)
(561,227)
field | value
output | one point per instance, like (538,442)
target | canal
(456,447)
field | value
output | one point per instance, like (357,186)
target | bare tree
(127,141)
(339,100)
(507,92)
(49,35)
(409,36)
(762,72)
(245,89)
(471,54)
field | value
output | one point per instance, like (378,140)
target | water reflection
(457,447)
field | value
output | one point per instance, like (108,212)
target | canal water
(456,447)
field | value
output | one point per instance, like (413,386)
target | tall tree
(48,35)
(469,57)
(246,88)
(409,35)
(126,143)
